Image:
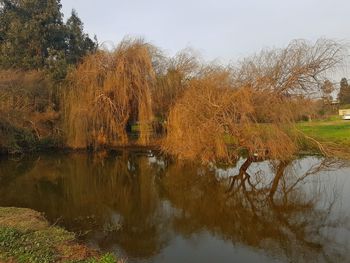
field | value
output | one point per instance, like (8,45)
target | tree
(79,43)
(344,92)
(250,109)
(34,36)
(109,91)
(29,31)
(327,89)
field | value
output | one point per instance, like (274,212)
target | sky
(223,30)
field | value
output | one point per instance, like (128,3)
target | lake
(145,207)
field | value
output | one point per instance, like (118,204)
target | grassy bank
(333,130)
(26,236)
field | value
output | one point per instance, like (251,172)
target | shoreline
(26,236)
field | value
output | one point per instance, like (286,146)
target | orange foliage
(249,109)
(108,90)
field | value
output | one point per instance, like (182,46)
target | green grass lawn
(333,129)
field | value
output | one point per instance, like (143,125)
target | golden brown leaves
(107,91)
(250,109)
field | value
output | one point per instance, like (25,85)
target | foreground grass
(333,130)
(25,236)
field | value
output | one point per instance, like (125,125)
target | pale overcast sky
(218,29)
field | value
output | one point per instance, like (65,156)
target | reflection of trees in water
(136,202)
(107,194)
(11,168)
(133,195)
(273,215)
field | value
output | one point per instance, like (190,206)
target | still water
(147,208)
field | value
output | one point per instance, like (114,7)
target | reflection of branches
(325,165)
(152,201)
(242,176)
(287,217)
(279,174)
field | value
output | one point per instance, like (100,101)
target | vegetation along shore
(26,236)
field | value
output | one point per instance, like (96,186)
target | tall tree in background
(79,43)
(327,89)
(31,31)
(34,36)
(344,93)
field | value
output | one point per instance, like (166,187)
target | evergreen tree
(79,43)
(30,30)
(344,93)
(34,36)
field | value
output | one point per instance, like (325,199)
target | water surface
(147,208)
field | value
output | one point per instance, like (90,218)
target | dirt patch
(75,252)
(22,219)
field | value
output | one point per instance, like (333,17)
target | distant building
(343,112)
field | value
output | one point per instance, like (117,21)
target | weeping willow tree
(250,108)
(173,74)
(107,92)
